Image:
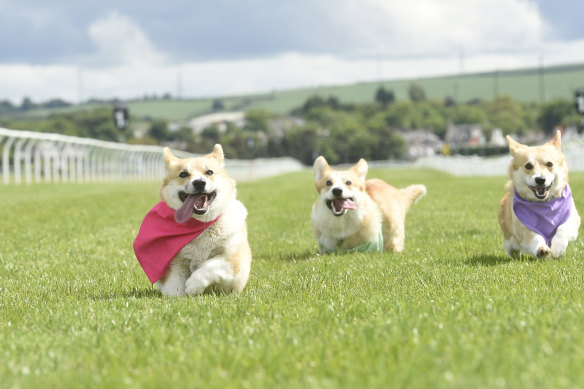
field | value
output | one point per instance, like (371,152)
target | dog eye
(529,166)
(329,183)
(184,174)
(348,183)
(209,172)
(549,164)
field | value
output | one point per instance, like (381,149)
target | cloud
(430,28)
(120,41)
(239,48)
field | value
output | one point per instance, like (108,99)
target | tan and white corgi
(355,214)
(195,239)
(538,215)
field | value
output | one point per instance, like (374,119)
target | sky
(76,50)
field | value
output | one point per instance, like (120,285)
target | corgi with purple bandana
(537,215)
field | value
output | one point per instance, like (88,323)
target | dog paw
(543,252)
(194,287)
(558,250)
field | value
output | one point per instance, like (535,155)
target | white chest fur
(215,239)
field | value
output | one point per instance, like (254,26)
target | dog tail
(413,193)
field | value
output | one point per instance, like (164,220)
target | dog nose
(199,184)
(539,181)
(337,192)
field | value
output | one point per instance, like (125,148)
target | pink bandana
(160,238)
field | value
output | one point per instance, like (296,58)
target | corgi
(537,214)
(355,214)
(195,239)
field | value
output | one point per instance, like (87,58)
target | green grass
(450,311)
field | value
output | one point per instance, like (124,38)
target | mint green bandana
(374,245)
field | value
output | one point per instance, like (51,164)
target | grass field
(451,311)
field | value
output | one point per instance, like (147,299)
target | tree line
(345,132)
(342,131)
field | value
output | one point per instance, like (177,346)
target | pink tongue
(349,204)
(185,212)
(344,204)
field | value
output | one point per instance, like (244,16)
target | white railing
(34,157)
(41,157)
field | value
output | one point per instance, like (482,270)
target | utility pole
(179,84)
(79,86)
(461,59)
(541,81)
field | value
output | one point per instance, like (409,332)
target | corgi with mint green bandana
(353,214)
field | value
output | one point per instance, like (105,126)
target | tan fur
(379,206)
(528,163)
(220,258)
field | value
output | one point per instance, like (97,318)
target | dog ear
(218,154)
(557,141)
(361,168)
(514,146)
(169,158)
(320,167)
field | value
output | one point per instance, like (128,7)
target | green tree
(159,130)
(416,92)
(384,97)
(27,104)
(257,120)
(558,112)
(218,105)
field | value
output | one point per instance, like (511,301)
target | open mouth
(340,206)
(541,192)
(197,203)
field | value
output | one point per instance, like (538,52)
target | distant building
(421,143)
(497,138)
(219,119)
(464,135)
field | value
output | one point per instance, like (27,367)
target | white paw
(194,286)
(558,248)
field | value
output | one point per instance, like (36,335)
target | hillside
(523,85)
(529,85)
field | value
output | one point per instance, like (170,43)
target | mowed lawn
(451,311)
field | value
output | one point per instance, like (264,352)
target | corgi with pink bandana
(195,239)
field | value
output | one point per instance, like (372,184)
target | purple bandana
(544,218)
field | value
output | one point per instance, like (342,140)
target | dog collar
(374,245)
(544,218)
(160,238)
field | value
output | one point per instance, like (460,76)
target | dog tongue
(185,212)
(344,204)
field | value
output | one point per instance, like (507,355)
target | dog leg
(512,248)
(537,246)
(397,234)
(216,271)
(566,233)
(173,282)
